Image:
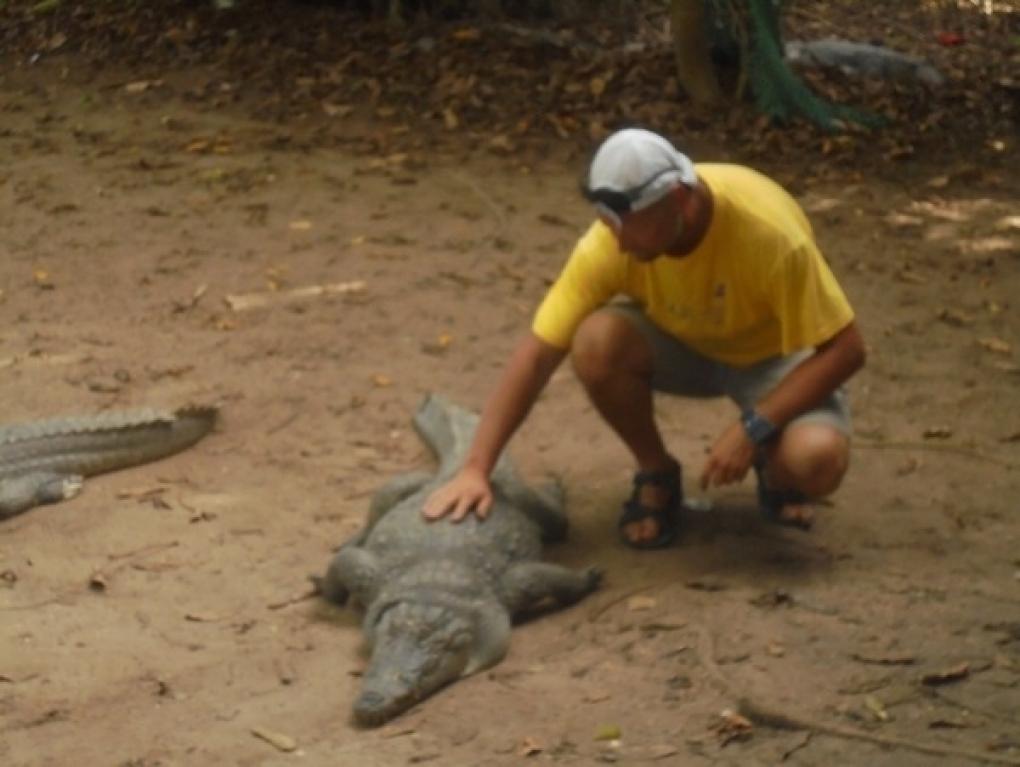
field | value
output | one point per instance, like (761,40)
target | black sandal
(667,517)
(771,502)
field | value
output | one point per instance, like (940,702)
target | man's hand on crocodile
(468,491)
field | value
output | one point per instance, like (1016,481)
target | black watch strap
(759,429)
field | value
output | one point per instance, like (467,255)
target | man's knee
(812,458)
(607,343)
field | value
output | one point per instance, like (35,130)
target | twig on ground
(780,719)
(599,611)
(486,199)
(59,599)
(294,600)
(941,695)
(145,550)
(797,746)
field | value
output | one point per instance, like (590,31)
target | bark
(694,67)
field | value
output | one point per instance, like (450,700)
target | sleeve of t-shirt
(810,304)
(593,274)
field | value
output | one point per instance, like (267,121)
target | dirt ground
(158,618)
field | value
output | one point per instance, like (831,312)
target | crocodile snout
(373,708)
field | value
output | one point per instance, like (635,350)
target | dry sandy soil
(158,619)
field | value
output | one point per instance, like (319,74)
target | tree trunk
(694,66)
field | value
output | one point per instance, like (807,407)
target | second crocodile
(47,461)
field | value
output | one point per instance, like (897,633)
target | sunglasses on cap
(616,202)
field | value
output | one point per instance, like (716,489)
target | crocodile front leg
(19,494)
(393,492)
(527,584)
(355,572)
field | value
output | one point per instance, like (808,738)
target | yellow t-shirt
(755,287)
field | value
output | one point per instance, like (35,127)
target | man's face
(648,233)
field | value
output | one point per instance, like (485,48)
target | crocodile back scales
(90,445)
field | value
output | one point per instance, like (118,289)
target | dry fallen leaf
(996,345)
(336,110)
(529,747)
(732,726)
(706,584)
(884,660)
(440,345)
(97,582)
(140,86)
(955,318)
(467,34)
(1008,222)
(874,705)
(641,603)
(139,493)
(201,617)
(608,732)
(909,466)
(954,674)
(901,221)
(501,143)
(775,649)
(909,277)
(42,279)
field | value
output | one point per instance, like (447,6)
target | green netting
(750,29)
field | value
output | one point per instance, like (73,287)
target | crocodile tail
(94,444)
(191,423)
(447,430)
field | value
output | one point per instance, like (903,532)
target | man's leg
(812,452)
(810,457)
(614,362)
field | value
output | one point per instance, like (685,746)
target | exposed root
(768,716)
(936,447)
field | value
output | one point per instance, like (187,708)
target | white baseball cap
(634,168)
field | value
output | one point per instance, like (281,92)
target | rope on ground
(770,716)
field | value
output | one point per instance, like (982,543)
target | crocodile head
(417,648)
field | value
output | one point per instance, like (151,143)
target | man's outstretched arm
(525,375)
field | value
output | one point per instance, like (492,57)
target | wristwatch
(759,429)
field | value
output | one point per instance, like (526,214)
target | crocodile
(439,597)
(46,461)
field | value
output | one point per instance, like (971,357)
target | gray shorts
(681,370)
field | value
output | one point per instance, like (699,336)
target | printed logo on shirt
(713,313)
